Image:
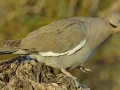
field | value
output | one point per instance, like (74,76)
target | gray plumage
(66,43)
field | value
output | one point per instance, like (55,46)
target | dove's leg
(67,73)
(84,69)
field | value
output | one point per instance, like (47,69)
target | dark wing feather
(11,43)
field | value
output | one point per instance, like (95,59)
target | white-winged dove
(66,43)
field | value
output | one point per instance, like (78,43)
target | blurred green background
(19,17)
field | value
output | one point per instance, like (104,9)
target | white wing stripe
(79,46)
(69,52)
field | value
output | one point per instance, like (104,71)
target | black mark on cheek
(113,25)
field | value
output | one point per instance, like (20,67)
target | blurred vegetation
(19,17)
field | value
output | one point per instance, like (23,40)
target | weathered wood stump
(20,74)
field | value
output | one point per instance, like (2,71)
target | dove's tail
(12,43)
(7,50)
(10,46)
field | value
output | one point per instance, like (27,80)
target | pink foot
(67,73)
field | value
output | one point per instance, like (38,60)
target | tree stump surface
(19,74)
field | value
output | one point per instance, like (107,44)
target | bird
(67,43)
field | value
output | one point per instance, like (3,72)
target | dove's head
(114,20)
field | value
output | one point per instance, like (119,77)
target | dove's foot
(67,73)
(84,69)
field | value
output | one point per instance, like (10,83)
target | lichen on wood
(20,74)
